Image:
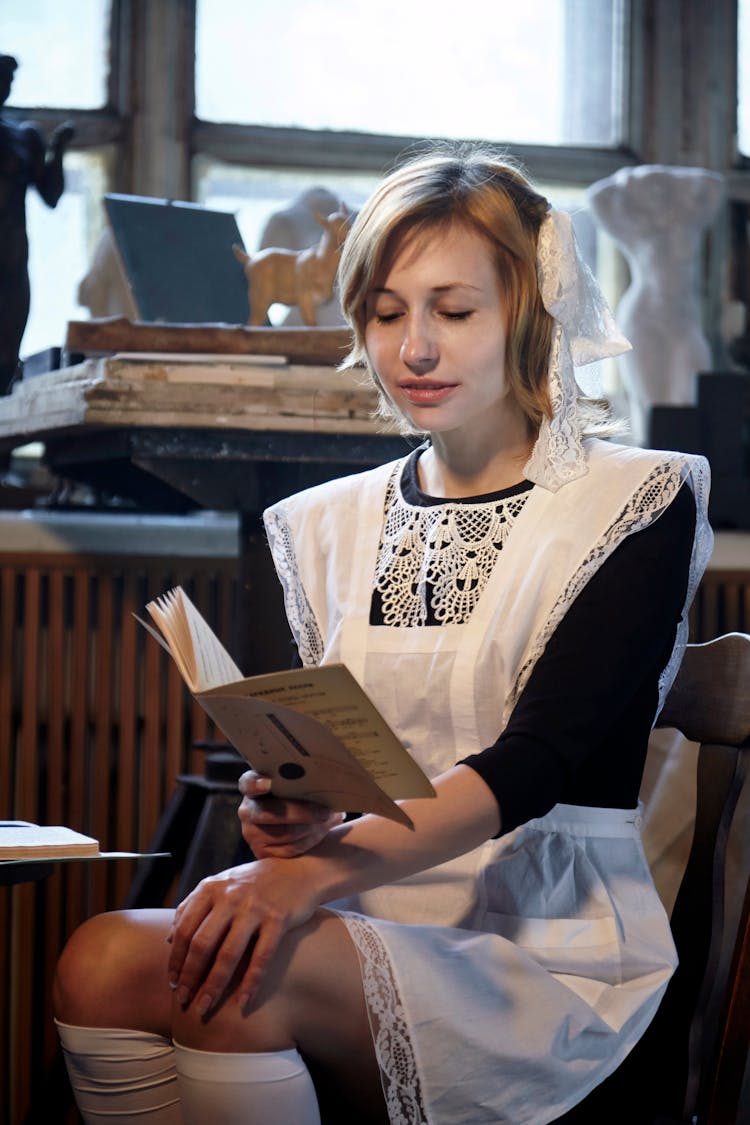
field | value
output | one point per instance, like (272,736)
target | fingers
(272,826)
(264,949)
(268,835)
(187,920)
(272,813)
(210,935)
(212,962)
(261,807)
(287,843)
(253,784)
(227,915)
(256,789)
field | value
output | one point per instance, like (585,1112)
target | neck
(455,471)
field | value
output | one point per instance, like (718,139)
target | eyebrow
(435,288)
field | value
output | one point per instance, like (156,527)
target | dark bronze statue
(25,159)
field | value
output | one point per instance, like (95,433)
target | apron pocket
(577,946)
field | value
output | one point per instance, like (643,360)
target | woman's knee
(113,972)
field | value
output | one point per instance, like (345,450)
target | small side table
(21,871)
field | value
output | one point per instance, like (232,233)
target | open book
(20,839)
(24,842)
(313,731)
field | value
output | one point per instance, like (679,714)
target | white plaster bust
(657,215)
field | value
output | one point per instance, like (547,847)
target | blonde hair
(459,186)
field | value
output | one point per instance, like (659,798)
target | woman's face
(435,334)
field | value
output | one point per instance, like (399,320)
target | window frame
(680,108)
(679,93)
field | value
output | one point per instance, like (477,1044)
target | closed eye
(464,315)
(386,318)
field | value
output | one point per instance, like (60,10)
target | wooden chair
(690,1065)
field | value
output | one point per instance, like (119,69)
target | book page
(318,720)
(203,661)
(303,759)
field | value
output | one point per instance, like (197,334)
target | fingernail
(204,1004)
(183,996)
(173,983)
(245,999)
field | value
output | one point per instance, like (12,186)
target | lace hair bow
(585,332)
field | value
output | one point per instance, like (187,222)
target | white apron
(504,985)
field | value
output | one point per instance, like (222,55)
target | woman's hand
(228,929)
(244,909)
(272,827)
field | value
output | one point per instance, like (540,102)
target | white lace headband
(585,332)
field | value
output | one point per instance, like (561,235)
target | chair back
(690,1064)
(710,704)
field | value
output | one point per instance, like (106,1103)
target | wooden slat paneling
(722,605)
(95,725)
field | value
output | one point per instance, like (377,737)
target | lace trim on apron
(434,562)
(655,494)
(299,612)
(390,1031)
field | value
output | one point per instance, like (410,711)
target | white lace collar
(434,561)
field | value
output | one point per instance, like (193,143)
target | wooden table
(173,432)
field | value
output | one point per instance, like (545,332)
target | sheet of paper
(332,697)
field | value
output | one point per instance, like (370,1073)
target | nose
(419,351)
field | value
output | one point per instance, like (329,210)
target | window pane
(61,49)
(743,78)
(61,245)
(254,194)
(539,71)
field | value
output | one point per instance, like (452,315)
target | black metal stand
(199,828)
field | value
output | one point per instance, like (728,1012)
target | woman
(513,597)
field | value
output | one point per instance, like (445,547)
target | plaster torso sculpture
(304,278)
(25,159)
(657,215)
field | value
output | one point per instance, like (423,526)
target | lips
(426,393)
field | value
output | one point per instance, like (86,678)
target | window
(62,52)
(340,91)
(501,72)
(291,94)
(61,245)
(255,193)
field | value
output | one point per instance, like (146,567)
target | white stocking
(272,1088)
(121,1076)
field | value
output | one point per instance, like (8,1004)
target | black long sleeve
(579,731)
